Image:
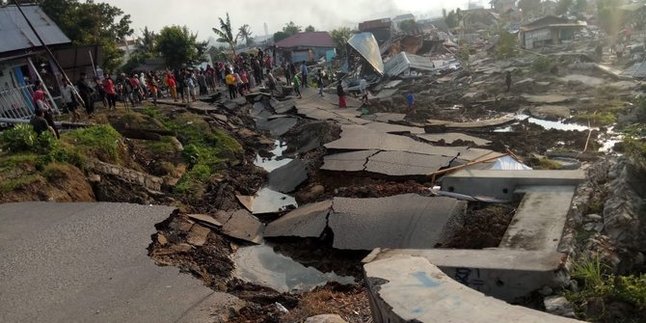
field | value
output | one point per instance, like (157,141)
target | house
(23,59)
(307,46)
(382,29)
(549,30)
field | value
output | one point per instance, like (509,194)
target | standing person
(230,79)
(172,85)
(192,85)
(153,88)
(86,92)
(239,84)
(136,89)
(69,100)
(39,124)
(201,81)
(126,90)
(245,80)
(110,92)
(288,72)
(508,80)
(410,101)
(319,80)
(40,103)
(296,83)
(304,74)
(341,93)
(271,83)
(143,83)
(363,87)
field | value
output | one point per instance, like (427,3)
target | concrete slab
(205,219)
(198,235)
(550,112)
(451,137)
(283,107)
(547,99)
(502,184)
(348,162)
(402,163)
(307,221)
(286,178)
(393,128)
(278,126)
(587,80)
(87,262)
(244,226)
(401,221)
(393,282)
(501,273)
(539,221)
(473,124)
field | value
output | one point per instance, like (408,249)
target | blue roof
(16,34)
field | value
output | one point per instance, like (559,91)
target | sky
(201,15)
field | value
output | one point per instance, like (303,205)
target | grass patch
(163,147)
(12,161)
(55,171)
(11,184)
(100,141)
(596,283)
(605,118)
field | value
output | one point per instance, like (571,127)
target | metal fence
(16,103)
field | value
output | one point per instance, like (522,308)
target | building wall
(310,54)
(537,38)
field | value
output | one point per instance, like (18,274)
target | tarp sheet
(366,45)
(509,163)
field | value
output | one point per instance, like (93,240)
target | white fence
(16,103)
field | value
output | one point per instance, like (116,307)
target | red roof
(311,39)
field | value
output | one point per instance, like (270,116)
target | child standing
(341,93)
(410,100)
(296,83)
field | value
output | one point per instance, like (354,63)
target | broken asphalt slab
(354,161)
(403,163)
(451,137)
(547,99)
(244,226)
(473,124)
(286,178)
(307,221)
(88,262)
(277,126)
(266,200)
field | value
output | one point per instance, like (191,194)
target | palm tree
(245,33)
(225,34)
(146,44)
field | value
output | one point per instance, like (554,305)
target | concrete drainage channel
(395,242)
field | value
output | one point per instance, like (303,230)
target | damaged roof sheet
(403,62)
(16,34)
(368,48)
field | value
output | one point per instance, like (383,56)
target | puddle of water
(613,138)
(276,161)
(547,124)
(263,266)
(270,201)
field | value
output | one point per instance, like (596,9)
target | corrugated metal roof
(308,39)
(15,33)
(366,45)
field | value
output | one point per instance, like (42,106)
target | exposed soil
(484,226)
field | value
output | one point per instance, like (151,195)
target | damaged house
(382,29)
(549,30)
(307,47)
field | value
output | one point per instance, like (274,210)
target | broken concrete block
(307,221)
(286,178)
(559,305)
(181,247)
(205,219)
(198,235)
(162,239)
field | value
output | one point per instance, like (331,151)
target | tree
(225,34)
(579,7)
(408,26)
(563,6)
(340,37)
(507,46)
(451,19)
(280,35)
(529,6)
(147,42)
(310,29)
(90,23)
(244,32)
(177,45)
(291,28)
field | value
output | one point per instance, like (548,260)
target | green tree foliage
(177,45)
(310,29)
(245,33)
(408,26)
(90,23)
(145,48)
(340,37)
(563,6)
(225,34)
(291,28)
(579,7)
(451,19)
(610,17)
(530,7)
(280,35)
(507,46)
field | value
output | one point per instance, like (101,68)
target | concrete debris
(266,200)
(394,163)
(559,305)
(473,124)
(348,162)
(451,137)
(205,219)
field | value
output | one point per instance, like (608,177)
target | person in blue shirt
(410,101)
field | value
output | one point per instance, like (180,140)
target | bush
(100,141)
(541,64)
(19,138)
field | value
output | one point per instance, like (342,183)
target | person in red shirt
(110,92)
(172,85)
